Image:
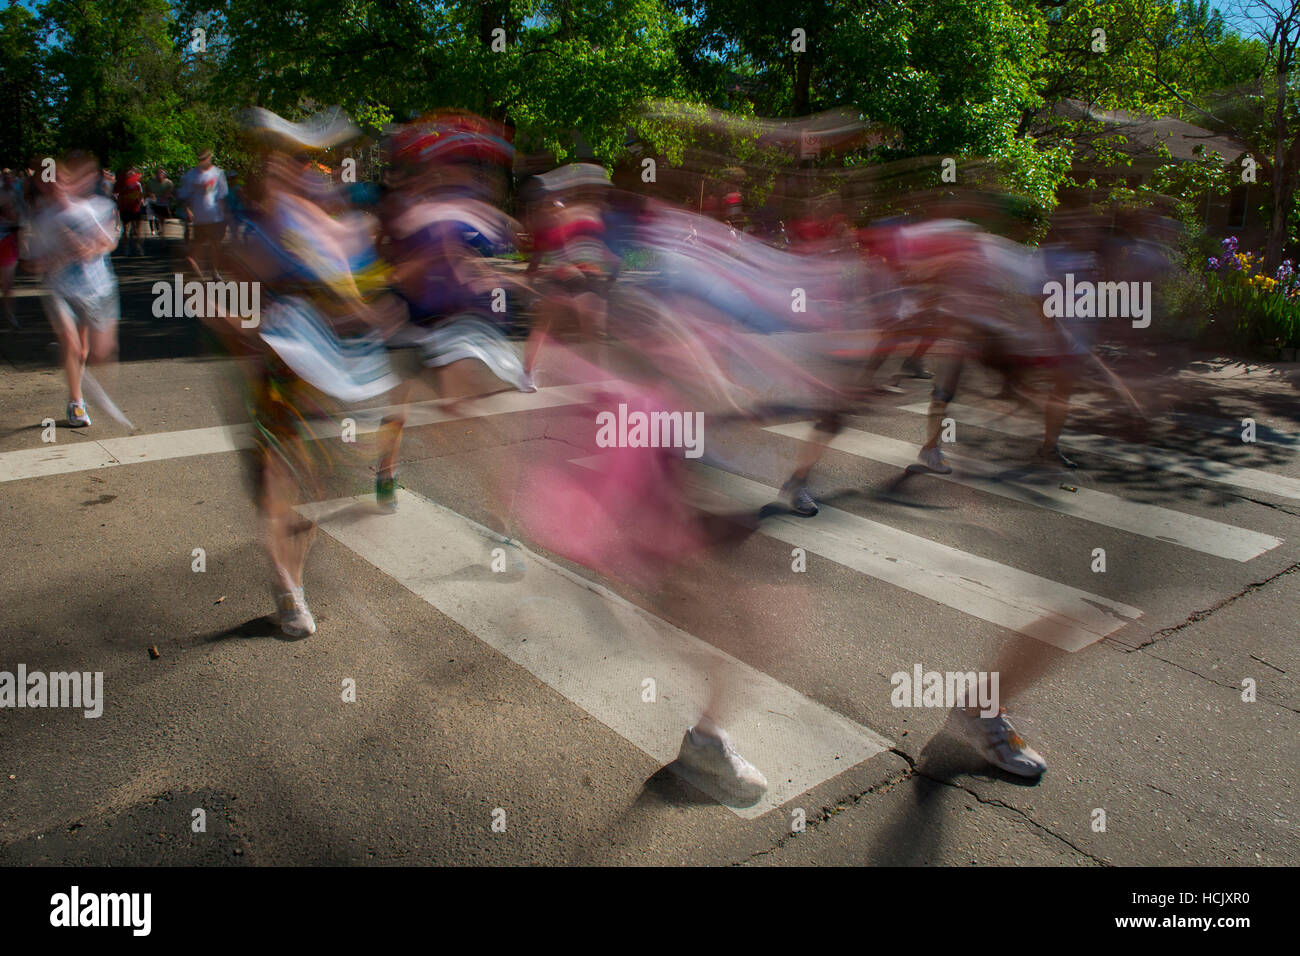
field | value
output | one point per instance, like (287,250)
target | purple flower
(1230,245)
(1214,263)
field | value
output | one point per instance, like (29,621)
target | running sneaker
(914,368)
(801,502)
(1005,748)
(1054,456)
(932,459)
(386,491)
(295,616)
(77,416)
(708,755)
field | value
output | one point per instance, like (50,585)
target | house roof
(1145,132)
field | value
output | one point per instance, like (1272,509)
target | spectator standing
(129,192)
(11,214)
(160,191)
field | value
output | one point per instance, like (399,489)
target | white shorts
(100,313)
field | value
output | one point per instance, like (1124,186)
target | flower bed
(1260,311)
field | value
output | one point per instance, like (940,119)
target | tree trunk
(1281,208)
(1282,190)
(1285,154)
(802,80)
(493,14)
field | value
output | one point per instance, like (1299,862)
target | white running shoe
(1005,748)
(932,460)
(707,752)
(295,616)
(77,417)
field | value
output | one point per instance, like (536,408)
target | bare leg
(99,345)
(390,432)
(943,393)
(289,537)
(1020,664)
(811,451)
(1058,406)
(537,336)
(72,346)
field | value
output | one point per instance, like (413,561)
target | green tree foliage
(155,80)
(24,107)
(112,73)
(554,68)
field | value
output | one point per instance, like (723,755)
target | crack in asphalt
(547,436)
(1197,616)
(1218,683)
(995,802)
(1267,504)
(913,771)
(1267,664)
(826,813)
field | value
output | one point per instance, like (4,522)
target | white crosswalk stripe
(595,648)
(1163,524)
(81,454)
(1162,458)
(1057,614)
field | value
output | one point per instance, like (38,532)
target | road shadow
(676,784)
(916,838)
(154,831)
(258,627)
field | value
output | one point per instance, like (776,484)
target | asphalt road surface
(513,707)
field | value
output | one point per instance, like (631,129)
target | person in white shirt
(74,230)
(204,190)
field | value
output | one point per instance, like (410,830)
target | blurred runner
(315,278)
(203,190)
(73,234)
(442,229)
(571,262)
